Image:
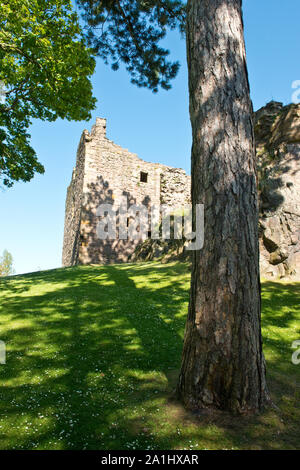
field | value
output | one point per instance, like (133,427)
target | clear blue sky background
(154,126)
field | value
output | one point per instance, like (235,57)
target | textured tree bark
(223,365)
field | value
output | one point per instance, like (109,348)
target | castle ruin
(104,173)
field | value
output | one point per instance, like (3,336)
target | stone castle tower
(104,173)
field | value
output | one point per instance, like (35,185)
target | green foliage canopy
(130,31)
(6,264)
(45,70)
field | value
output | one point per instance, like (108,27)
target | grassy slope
(93,355)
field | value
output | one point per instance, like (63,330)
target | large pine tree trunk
(223,365)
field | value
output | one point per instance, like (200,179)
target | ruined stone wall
(110,172)
(175,190)
(105,171)
(73,209)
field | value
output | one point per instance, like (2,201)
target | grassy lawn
(93,356)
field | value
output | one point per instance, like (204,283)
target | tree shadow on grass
(93,357)
(90,342)
(281,325)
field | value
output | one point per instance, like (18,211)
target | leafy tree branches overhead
(130,31)
(45,70)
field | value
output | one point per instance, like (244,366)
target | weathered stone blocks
(104,173)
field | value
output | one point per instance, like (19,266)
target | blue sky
(156,127)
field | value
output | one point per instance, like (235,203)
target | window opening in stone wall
(144,177)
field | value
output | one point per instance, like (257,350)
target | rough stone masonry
(104,173)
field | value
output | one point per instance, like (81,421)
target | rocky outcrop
(277,131)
